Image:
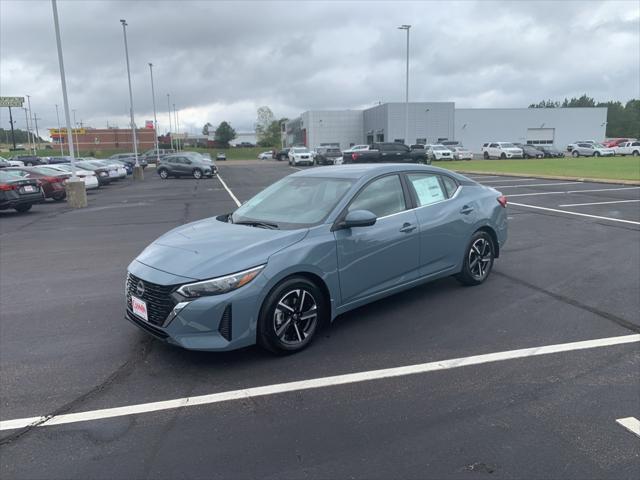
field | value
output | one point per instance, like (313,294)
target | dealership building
(433,122)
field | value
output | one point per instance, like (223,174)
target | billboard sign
(148,124)
(11,101)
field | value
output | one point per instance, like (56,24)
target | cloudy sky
(222,60)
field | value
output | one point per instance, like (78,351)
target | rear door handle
(407,227)
(466,210)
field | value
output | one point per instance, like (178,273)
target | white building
(432,122)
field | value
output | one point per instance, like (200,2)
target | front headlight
(217,286)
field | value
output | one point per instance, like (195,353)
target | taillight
(5,187)
(52,179)
(354,156)
(502,200)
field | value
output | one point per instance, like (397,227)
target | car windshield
(439,147)
(294,202)
(300,150)
(598,145)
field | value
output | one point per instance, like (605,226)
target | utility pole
(13,135)
(26,119)
(35,119)
(59,132)
(30,126)
(155,118)
(175,118)
(169,108)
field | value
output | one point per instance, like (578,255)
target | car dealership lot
(569,273)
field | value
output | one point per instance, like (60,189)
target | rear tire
(486,155)
(478,259)
(635,153)
(285,325)
(60,196)
(164,173)
(23,208)
(596,154)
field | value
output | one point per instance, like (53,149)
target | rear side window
(383,197)
(427,187)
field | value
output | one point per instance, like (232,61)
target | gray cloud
(221,60)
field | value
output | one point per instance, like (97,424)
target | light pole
(30,126)
(76,192)
(169,108)
(406,99)
(59,132)
(35,119)
(26,119)
(155,119)
(175,124)
(75,127)
(426,121)
(137,170)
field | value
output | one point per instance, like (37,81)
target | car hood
(211,248)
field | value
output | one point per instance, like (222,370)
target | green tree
(263,123)
(224,133)
(207,128)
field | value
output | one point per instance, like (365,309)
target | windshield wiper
(254,223)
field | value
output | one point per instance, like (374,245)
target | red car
(52,181)
(616,142)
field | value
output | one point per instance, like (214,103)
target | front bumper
(213,323)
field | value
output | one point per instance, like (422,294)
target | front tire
(164,173)
(291,315)
(503,156)
(575,154)
(478,259)
(596,154)
(486,155)
(197,174)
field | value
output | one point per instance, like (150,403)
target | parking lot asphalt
(569,273)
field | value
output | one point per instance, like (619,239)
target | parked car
(614,142)
(529,151)
(56,160)
(51,181)
(183,165)
(221,156)
(117,171)
(18,192)
(314,245)
(29,160)
(591,150)
(103,174)
(571,145)
(4,163)
(265,155)
(417,146)
(245,145)
(628,148)
(439,152)
(283,154)
(501,150)
(88,177)
(356,148)
(298,155)
(461,153)
(328,156)
(386,152)
(150,156)
(551,152)
(130,160)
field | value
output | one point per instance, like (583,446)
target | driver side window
(382,197)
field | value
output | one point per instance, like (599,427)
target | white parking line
(295,168)
(597,203)
(481,177)
(43,421)
(233,197)
(575,213)
(536,185)
(630,423)
(502,180)
(572,191)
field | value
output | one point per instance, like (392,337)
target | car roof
(366,170)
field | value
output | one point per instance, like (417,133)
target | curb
(553,177)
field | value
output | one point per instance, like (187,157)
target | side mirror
(359,218)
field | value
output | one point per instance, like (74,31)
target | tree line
(623,120)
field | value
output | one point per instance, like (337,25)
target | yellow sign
(63,131)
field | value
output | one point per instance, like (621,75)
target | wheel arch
(494,236)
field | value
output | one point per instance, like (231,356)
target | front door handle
(466,210)
(407,227)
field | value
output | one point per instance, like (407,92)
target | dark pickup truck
(388,152)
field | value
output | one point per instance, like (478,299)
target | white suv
(299,155)
(439,152)
(501,150)
(628,148)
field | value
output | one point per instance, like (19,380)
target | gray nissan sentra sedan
(310,247)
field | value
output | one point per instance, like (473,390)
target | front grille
(159,302)
(145,326)
(225,323)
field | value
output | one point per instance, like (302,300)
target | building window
(379,137)
(399,140)
(421,141)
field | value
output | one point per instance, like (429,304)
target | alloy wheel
(480,257)
(295,316)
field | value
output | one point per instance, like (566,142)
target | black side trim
(226,322)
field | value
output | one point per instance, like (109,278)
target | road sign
(11,101)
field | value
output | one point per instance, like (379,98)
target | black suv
(328,155)
(30,160)
(179,165)
(283,154)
